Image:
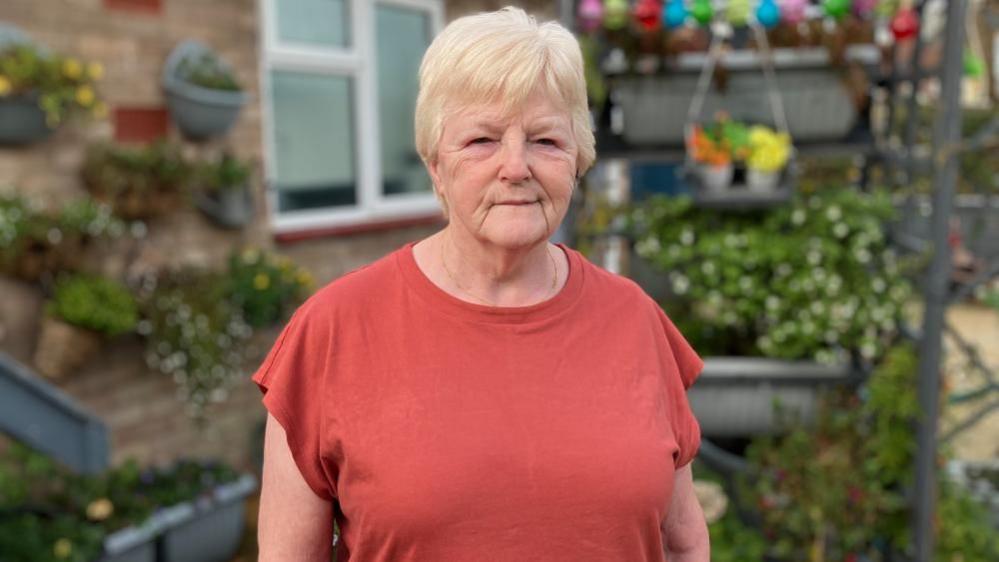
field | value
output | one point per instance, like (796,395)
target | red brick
(140,124)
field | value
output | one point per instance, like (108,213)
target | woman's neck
(487,274)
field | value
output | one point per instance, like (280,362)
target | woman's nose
(514,166)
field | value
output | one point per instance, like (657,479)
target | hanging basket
(735,186)
(22,121)
(200,113)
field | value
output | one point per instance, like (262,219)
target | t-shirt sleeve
(689,366)
(292,380)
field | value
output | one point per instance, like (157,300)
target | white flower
(814,257)
(862,255)
(834,213)
(878,285)
(841,230)
(746,283)
(687,237)
(708,268)
(772,303)
(798,217)
(680,284)
(54,236)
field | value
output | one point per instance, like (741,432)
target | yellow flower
(250,255)
(304,278)
(95,70)
(261,281)
(85,96)
(72,68)
(100,509)
(62,548)
(5,86)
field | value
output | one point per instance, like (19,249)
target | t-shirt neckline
(449,304)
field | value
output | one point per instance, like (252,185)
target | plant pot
(200,113)
(63,348)
(131,544)
(735,396)
(209,529)
(22,121)
(716,178)
(229,208)
(761,181)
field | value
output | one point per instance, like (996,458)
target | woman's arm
(685,532)
(295,525)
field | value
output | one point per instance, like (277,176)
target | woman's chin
(515,235)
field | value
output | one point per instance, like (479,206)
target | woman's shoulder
(611,287)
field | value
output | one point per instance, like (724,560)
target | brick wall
(132,39)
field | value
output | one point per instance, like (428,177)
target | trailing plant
(227,172)
(137,182)
(813,280)
(35,241)
(63,85)
(194,334)
(207,71)
(266,286)
(94,303)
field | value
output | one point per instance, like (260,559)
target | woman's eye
(549,142)
(481,140)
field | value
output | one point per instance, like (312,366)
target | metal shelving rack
(910,159)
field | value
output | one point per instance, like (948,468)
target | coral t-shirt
(448,431)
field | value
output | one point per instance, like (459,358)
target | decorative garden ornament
(793,11)
(738,12)
(702,12)
(836,9)
(905,24)
(615,14)
(648,15)
(590,15)
(767,13)
(674,14)
(864,8)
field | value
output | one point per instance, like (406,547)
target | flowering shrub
(194,334)
(814,280)
(36,241)
(94,303)
(266,286)
(63,84)
(837,491)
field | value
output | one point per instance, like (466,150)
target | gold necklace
(488,302)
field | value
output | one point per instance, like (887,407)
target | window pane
(321,22)
(313,140)
(403,36)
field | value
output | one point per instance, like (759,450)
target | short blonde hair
(503,55)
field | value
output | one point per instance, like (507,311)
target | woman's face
(507,182)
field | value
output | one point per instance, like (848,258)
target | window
(339,88)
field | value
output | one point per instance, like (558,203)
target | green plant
(94,303)
(228,172)
(838,491)
(194,334)
(137,182)
(813,280)
(266,286)
(36,241)
(48,514)
(63,85)
(207,71)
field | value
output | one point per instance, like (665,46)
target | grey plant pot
(209,529)
(200,113)
(22,122)
(735,396)
(230,208)
(132,544)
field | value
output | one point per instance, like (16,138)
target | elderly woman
(483,394)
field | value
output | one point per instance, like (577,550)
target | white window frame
(357,62)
